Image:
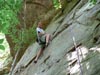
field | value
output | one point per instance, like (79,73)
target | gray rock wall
(60,57)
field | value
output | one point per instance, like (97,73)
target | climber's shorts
(42,46)
(43,41)
(43,38)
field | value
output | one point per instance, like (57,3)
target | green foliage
(57,4)
(8,17)
(1,41)
(29,35)
(8,14)
(1,46)
(93,1)
(24,36)
(9,24)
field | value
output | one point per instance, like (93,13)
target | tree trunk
(11,45)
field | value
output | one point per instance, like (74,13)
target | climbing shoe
(35,61)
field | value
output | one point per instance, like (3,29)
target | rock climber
(43,39)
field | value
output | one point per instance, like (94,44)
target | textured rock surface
(60,57)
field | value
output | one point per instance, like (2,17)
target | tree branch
(37,3)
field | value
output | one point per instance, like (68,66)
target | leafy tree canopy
(93,1)
(8,14)
(57,4)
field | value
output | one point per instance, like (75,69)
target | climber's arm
(40,33)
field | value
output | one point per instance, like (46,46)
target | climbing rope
(78,57)
(75,45)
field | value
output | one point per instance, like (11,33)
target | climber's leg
(39,53)
(48,38)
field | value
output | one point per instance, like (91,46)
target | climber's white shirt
(40,30)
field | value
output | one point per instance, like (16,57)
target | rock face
(81,22)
